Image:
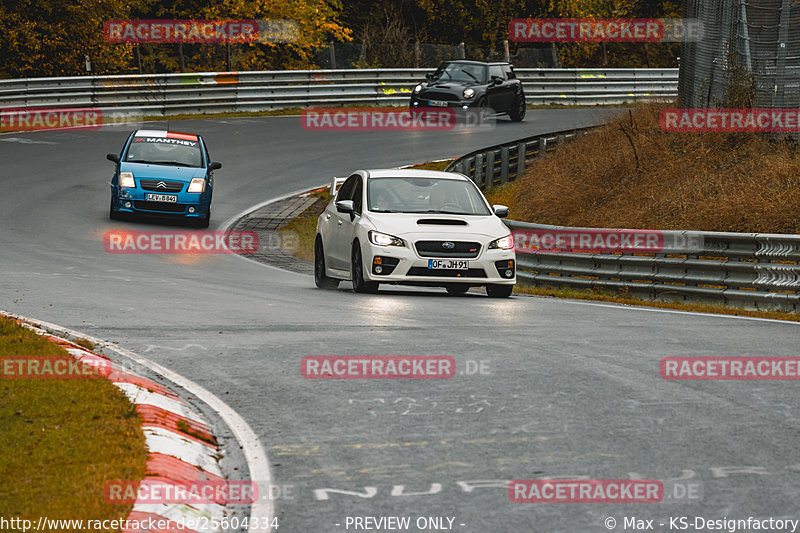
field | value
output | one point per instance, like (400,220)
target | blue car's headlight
(197,185)
(126,180)
(469,93)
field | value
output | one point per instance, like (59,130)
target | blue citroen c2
(163,173)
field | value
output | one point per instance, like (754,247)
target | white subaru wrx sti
(413,227)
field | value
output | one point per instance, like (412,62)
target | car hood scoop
(441,222)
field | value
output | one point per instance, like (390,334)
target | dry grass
(707,181)
(62,439)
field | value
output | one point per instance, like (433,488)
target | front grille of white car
(449,249)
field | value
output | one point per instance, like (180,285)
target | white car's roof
(414,173)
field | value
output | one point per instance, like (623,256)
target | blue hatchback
(163,173)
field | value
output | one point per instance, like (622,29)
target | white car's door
(349,223)
(337,253)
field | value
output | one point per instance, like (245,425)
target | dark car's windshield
(469,72)
(425,195)
(165,151)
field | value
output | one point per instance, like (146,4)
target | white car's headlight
(469,93)
(197,185)
(418,88)
(503,243)
(382,239)
(126,179)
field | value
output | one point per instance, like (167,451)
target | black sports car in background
(464,85)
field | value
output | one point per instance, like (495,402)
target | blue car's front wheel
(112,214)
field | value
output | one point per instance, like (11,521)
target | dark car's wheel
(357,273)
(517,111)
(321,280)
(457,289)
(112,214)
(483,109)
(499,291)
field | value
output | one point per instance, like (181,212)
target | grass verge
(63,439)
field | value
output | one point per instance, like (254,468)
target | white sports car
(413,227)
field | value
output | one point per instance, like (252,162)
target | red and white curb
(182,448)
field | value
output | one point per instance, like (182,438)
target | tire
(113,215)
(483,109)
(360,285)
(321,280)
(205,221)
(457,289)
(499,291)
(517,111)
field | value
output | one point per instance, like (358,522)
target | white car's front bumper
(395,264)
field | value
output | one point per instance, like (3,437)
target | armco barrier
(753,270)
(226,92)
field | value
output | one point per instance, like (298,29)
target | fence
(750,56)
(171,94)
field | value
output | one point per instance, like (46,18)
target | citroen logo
(161,185)
(448,245)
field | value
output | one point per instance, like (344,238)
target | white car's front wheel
(357,273)
(499,291)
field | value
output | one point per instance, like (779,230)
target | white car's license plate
(437,103)
(169,198)
(447,264)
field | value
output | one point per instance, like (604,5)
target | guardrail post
(504,164)
(542,146)
(478,178)
(521,152)
(488,180)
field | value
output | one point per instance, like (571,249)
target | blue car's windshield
(468,72)
(165,151)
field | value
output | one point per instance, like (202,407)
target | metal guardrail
(213,92)
(754,270)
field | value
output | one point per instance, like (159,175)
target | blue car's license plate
(447,264)
(168,198)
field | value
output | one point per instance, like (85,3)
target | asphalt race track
(570,389)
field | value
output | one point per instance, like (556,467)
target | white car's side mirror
(345,206)
(500,210)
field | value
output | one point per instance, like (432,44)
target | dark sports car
(472,85)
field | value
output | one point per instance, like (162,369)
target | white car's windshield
(425,195)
